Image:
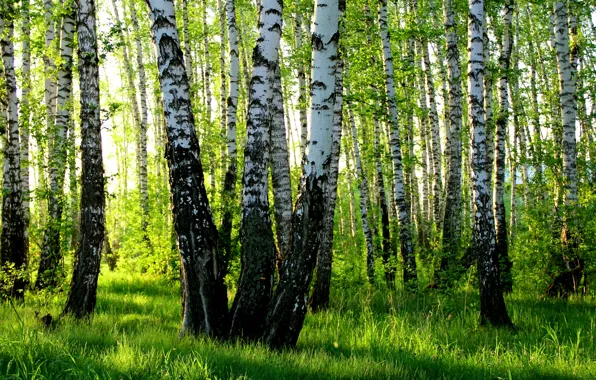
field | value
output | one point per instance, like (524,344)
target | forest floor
(365,334)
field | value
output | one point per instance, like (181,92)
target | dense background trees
(366,106)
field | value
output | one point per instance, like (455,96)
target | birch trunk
(205,298)
(223,95)
(49,270)
(568,102)
(207,68)
(12,240)
(437,179)
(142,159)
(288,307)
(488,107)
(535,115)
(301,85)
(229,188)
(451,224)
(280,167)
(363,189)
(188,64)
(501,136)
(567,84)
(321,289)
(129,71)
(385,226)
(49,68)
(401,200)
(423,120)
(492,303)
(25,114)
(83,287)
(256,236)
(410,172)
(72,187)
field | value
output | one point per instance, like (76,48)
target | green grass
(364,335)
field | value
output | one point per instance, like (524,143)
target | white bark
(223,96)
(568,101)
(322,285)
(280,167)
(288,308)
(25,113)
(363,189)
(13,243)
(256,237)
(232,102)
(229,188)
(142,159)
(433,115)
(451,225)
(407,248)
(50,255)
(207,67)
(501,131)
(187,54)
(492,305)
(204,293)
(301,85)
(49,67)
(83,288)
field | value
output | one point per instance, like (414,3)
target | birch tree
(501,135)
(405,227)
(492,303)
(83,287)
(142,159)
(433,118)
(363,190)
(49,265)
(229,188)
(25,113)
(288,307)
(256,236)
(568,104)
(204,306)
(13,254)
(49,66)
(451,224)
(322,285)
(280,167)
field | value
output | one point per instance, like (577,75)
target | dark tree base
(567,283)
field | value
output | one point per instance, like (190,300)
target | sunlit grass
(365,334)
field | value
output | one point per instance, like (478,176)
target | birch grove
(232,156)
